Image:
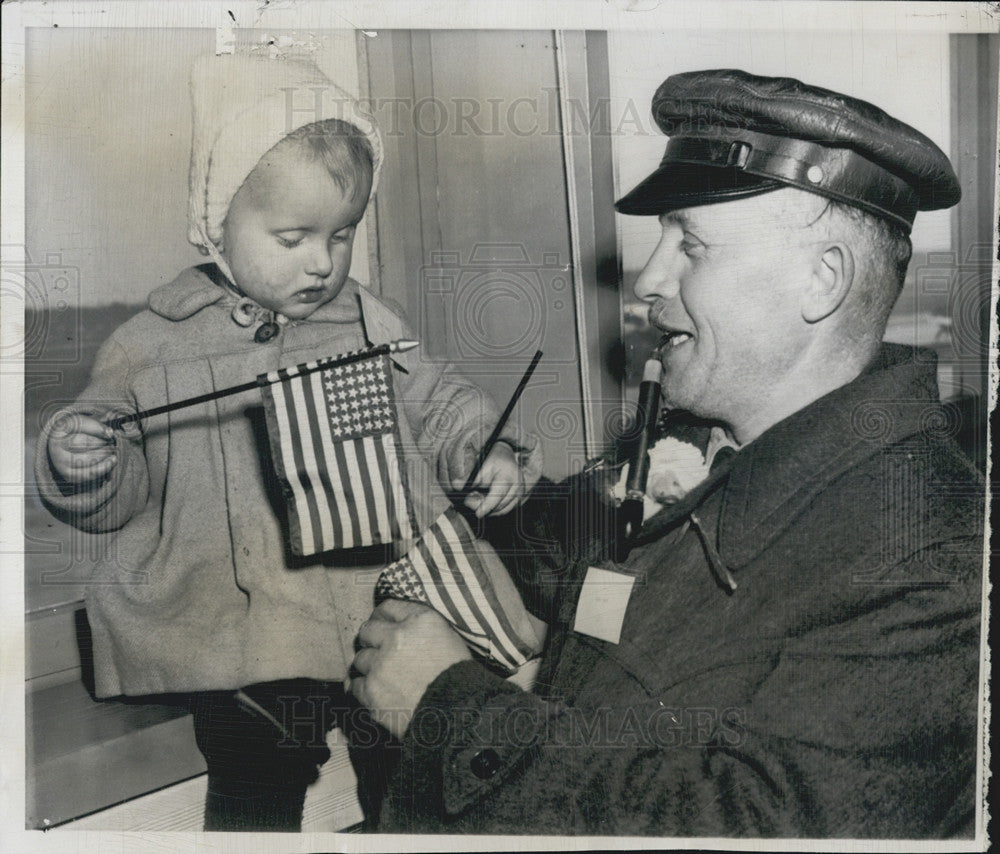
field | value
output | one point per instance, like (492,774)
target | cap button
(485,764)
(814,174)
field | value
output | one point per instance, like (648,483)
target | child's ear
(829,283)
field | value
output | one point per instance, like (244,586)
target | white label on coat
(600,610)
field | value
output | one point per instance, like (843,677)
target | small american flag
(463,579)
(335,443)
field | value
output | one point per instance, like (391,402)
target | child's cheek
(342,254)
(341,263)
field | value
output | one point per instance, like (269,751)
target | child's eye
(288,242)
(345,236)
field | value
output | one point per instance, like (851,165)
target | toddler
(199,594)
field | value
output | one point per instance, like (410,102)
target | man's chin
(687,401)
(672,397)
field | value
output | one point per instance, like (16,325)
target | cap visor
(688,185)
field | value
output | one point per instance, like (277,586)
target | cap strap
(837,173)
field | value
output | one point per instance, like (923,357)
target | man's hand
(502,483)
(81,448)
(404,647)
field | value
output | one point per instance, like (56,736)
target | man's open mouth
(674,339)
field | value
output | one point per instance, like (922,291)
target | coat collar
(774,478)
(199,287)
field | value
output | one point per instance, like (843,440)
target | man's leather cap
(734,135)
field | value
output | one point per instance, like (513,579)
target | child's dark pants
(264,746)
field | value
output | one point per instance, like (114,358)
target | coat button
(485,764)
(265,332)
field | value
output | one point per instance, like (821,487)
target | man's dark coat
(832,693)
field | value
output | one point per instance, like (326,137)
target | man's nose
(659,278)
(320,260)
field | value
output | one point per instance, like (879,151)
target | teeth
(675,339)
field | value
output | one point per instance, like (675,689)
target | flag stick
(495,435)
(400,346)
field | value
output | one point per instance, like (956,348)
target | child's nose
(320,260)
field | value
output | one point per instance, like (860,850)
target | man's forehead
(787,208)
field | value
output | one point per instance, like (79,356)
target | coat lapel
(775,478)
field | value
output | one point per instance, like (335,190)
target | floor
(331,803)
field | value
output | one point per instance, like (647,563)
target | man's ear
(831,280)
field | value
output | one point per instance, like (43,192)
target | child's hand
(502,481)
(81,448)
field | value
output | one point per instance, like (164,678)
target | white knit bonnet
(244,104)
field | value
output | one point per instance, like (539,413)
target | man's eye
(289,242)
(689,247)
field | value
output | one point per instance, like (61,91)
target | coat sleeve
(864,727)
(483,756)
(451,418)
(109,504)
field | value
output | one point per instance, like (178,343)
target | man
(791,649)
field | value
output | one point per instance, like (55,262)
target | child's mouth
(309,295)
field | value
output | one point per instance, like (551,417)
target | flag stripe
(285,459)
(484,588)
(284,374)
(307,512)
(460,566)
(454,569)
(447,573)
(427,560)
(398,488)
(328,474)
(480,642)
(407,521)
(345,495)
(370,516)
(454,573)
(457,577)
(373,474)
(431,589)
(353,489)
(464,557)
(312,451)
(519,647)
